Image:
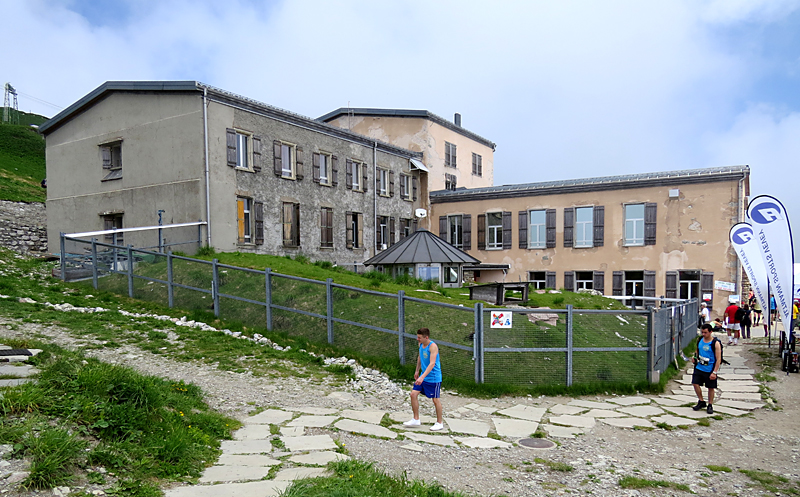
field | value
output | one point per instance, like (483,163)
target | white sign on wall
(725,286)
(501,319)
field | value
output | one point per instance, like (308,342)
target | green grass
(638,483)
(22,164)
(554,465)
(772,483)
(719,469)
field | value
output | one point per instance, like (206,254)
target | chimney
(457,119)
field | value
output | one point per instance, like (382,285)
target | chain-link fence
(539,347)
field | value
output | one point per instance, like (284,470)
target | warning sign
(501,319)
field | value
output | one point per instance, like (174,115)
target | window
(450,181)
(326,227)
(354,230)
(244,209)
(291,224)
(537,279)
(385,182)
(381,233)
(634,225)
(325,168)
(689,285)
(450,274)
(584,279)
(494,230)
(405,228)
(449,155)
(356,174)
(113,222)
(537,230)
(477,164)
(287,161)
(425,272)
(111,154)
(244,150)
(583,227)
(405,191)
(455,231)
(634,287)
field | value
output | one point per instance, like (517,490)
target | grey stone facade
(23,227)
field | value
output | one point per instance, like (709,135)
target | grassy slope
(22,164)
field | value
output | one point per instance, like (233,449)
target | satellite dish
(420,213)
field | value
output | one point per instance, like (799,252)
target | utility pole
(10,105)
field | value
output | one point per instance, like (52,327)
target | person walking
(756,307)
(707,360)
(746,321)
(732,323)
(705,314)
(430,381)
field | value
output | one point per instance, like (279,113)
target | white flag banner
(771,228)
(747,248)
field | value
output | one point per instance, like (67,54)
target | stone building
(264,179)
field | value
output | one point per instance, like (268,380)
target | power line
(40,100)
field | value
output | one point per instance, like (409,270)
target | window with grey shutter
(443,227)
(467,232)
(506,230)
(481,231)
(105,154)
(334,170)
(414,188)
(348,223)
(277,164)
(258,207)
(650,283)
(391,183)
(550,280)
(230,139)
(550,219)
(298,163)
(391,230)
(315,167)
(523,229)
(569,223)
(257,154)
(599,281)
(650,217)
(364,177)
(616,283)
(569,281)
(599,229)
(671,290)
(348,174)
(707,286)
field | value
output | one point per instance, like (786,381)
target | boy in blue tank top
(430,381)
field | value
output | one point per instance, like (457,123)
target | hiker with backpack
(733,319)
(746,321)
(707,361)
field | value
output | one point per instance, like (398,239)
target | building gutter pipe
(375,190)
(207,173)
(740,210)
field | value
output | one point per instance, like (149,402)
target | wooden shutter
(258,207)
(414,224)
(348,174)
(403,192)
(391,231)
(569,223)
(277,165)
(443,227)
(650,217)
(707,285)
(323,234)
(599,229)
(105,153)
(296,224)
(617,282)
(378,233)
(364,177)
(257,154)
(550,220)
(650,283)
(334,170)
(230,139)
(348,225)
(671,285)
(599,281)
(360,234)
(240,219)
(315,167)
(414,187)
(569,281)
(391,183)
(506,230)
(550,279)
(466,232)
(298,162)
(523,229)
(481,231)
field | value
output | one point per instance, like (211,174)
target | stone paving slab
(627,422)
(402,417)
(478,428)
(741,396)
(316,411)
(641,411)
(293,431)
(412,447)
(565,409)
(591,404)
(312,421)
(728,410)
(733,376)
(526,413)
(561,431)
(246,446)
(683,382)
(573,421)
(423,428)
(264,488)
(471,406)
(15,383)
(688,412)
(309,442)
(603,413)
(673,420)
(629,401)
(292,474)
(431,439)
(269,417)
(229,474)
(252,432)
(246,460)
(14,358)
(486,409)
(21,371)
(732,386)
(747,406)
(744,371)
(321,458)
(514,428)
(483,443)
(686,399)
(373,417)
(668,402)
(364,428)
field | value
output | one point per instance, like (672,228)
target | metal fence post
(477,338)
(130,271)
(401,326)
(215,285)
(63,257)
(268,296)
(94,263)
(652,344)
(329,307)
(170,290)
(570,317)
(199,235)
(114,267)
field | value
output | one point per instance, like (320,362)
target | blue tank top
(435,376)
(706,350)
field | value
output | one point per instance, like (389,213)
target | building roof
(217,95)
(667,178)
(423,114)
(421,247)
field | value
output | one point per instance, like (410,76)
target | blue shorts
(431,390)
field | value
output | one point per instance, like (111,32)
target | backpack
(740,314)
(713,342)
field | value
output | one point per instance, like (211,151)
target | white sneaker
(437,426)
(412,422)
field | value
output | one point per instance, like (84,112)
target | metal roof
(422,247)
(423,114)
(666,178)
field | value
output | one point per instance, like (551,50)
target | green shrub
(205,251)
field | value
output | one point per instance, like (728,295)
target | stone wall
(23,227)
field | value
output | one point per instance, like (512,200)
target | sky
(566,89)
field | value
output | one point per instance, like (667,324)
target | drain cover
(537,443)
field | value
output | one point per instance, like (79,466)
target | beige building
(648,235)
